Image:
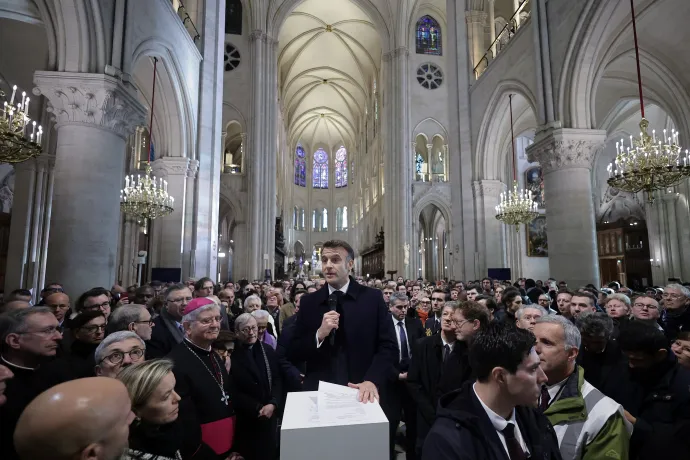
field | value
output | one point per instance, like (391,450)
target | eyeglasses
(180,300)
(209,321)
(666,295)
(248,329)
(459,324)
(47,332)
(644,305)
(98,306)
(94,328)
(135,354)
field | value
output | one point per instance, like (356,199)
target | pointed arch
(341,168)
(429,37)
(320,169)
(300,166)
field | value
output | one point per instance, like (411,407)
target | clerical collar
(343,289)
(207,350)
(17,365)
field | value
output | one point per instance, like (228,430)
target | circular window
(232,57)
(429,76)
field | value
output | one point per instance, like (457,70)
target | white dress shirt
(331,290)
(397,335)
(500,424)
(555,389)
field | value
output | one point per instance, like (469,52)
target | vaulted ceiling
(330,52)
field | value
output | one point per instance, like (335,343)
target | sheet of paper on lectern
(337,404)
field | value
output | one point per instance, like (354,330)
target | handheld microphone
(332,306)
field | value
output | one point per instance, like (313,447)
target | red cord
(512,138)
(637,56)
(153,98)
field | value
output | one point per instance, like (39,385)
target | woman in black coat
(257,390)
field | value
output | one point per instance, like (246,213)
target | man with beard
(28,338)
(658,400)
(202,381)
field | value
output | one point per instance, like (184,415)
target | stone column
(29,229)
(683,215)
(490,233)
(169,230)
(492,26)
(94,113)
(673,262)
(261,164)
(566,156)
(475,32)
(397,220)
(516,5)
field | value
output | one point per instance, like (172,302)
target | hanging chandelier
(147,197)
(20,138)
(516,206)
(647,163)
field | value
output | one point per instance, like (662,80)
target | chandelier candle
(17,144)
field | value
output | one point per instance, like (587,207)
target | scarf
(423,315)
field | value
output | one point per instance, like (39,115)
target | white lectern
(305,435)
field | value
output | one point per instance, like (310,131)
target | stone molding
(488,189)
(171,166)
(566,148)
(396,53)
(90,99)
(475,17)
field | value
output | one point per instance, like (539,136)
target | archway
(433,249)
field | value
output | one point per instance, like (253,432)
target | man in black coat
(167,332)
(396,397)
(657,393)
(293,372)
(363,347)
(494,418)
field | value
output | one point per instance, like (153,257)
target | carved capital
(260,35)
(91,99)
(566,148)
(171,166)
(488,188)
(396,53)
(475,17)
(193,169)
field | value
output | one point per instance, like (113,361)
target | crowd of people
(484,369)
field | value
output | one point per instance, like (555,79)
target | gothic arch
(430,127)
(488,154)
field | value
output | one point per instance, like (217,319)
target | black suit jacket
(431,327)
(165,336)
(291,371)
(367,347)
(414,331)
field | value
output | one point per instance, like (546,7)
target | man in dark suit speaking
(343,330)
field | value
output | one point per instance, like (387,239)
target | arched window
(301,221)
(341,168)
(320,175)
(300,167)
(295,218)
(341,219)
(233,17)
(324,220)
(344,217)
(313,221)
(429,36)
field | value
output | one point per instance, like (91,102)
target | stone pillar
(490,234)
(683,215)
(516,5)
(208,147)
(169,230)
(566,157)
(129,249)
(30,225)
(94,113)
(673,262)
(492,26)
(189,254)
(261,165)
(475,32)
(397,220)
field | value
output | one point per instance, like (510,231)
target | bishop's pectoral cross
(225,398)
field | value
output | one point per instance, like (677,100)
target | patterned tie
(515,451)
(545,398)
(404,352)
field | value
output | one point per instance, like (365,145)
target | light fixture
(648,163)
(516,206)
(221,254)
(20,138)
(147,197)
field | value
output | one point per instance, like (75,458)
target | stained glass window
(344,218)
(324,220)
(300,167)
(429,36)
(341,168)
(320,175)
(419,161)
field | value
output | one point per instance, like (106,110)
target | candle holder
(146,197)
(20,138)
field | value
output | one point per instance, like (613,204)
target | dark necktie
(404,352)
(515,451)
(181,328)
(446,352)
(545,398)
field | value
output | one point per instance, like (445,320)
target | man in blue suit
(343,330)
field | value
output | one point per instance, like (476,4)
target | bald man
(14,305)
(92,416)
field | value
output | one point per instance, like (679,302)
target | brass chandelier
(147,197)
(516,206)
(647,163)
(20,138)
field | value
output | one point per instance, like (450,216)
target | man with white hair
(202,380)
(133,317)
(588,424)
(527,315)
(117,351)
(676,314)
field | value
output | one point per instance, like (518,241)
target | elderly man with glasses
(676,315)
(28,338)
(117,351)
